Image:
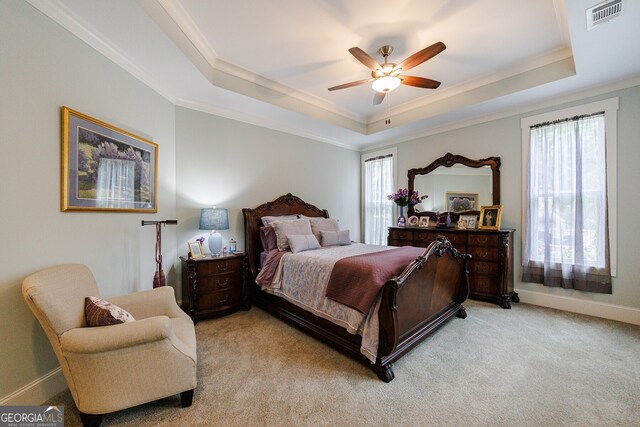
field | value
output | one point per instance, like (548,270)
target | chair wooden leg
(186,398)
(90,420)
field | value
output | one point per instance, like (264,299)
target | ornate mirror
(456,184)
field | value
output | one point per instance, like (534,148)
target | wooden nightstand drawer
(219,300)
(218,282)
(483,253)
(220,266)
(478,239)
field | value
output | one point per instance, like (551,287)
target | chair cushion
(99,312)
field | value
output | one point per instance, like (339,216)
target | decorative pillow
(99,312)
(267,220)
(289,227)
(323,224)
(268,238)
(302,242)
(335,238)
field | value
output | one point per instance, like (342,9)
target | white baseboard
(37,391)
(575,305)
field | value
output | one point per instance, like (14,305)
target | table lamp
(214,219)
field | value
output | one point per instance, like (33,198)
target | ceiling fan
(388,76)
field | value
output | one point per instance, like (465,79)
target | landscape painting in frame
(105,168)
(461,202)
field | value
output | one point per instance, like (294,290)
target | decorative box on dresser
(214,286)
(491,266)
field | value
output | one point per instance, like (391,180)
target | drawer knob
(224,298)
(482,239)
(223,283)
(223,267)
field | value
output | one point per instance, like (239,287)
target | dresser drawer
(396,234)
(218,282)
(481,267)
(400,242)
(425,237)
(486,285)
(478,239)
(219,267)
(458,240)
(218,300)
(483,253)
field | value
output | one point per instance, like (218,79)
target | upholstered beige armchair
(109,368)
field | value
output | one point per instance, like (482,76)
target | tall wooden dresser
(490,269)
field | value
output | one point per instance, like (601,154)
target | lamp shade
(214,219)
(385,83)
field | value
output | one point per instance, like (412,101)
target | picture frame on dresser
(470,221)
(424,222)
(195,250)
(490,217)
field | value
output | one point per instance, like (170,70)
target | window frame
(393,151)
(610,107)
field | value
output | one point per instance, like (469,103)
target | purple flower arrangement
(402,197)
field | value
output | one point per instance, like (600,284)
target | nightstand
(214,286)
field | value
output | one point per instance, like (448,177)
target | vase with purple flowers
(402,198)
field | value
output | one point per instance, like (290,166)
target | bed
(427,293)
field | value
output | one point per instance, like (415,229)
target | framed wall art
(105,168)
(490,217)
(460,202)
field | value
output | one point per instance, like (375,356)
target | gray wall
(503,138)
(43,67)
(234,165)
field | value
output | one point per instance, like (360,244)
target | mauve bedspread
(356,280)
(302,279)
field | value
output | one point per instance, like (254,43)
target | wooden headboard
(283,205)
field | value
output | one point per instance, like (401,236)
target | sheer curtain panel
(378,210)
(566,220)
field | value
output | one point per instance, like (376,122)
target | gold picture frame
(424,222)
(490,217)
(105,168)
(195,250)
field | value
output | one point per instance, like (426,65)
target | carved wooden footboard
(429,291)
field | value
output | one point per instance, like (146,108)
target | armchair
(109,368)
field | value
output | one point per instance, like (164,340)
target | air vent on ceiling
(603,12)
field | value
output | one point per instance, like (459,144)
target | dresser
(490,269)
(214,286)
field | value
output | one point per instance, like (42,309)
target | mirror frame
(449,160)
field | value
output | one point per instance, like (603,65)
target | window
(569,161)
(378,173)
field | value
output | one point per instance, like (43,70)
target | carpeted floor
(528,366)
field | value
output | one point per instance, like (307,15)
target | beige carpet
(527,366)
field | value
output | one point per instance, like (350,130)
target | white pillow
(267,220)
(302,242)
(289,227)
(335,238)
(323,224)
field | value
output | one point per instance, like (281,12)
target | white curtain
(378,210)
(566,241)
(116,181)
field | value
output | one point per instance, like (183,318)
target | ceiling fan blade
(363,57)
(419,82)
(378,97)
(350,84)
(421,56)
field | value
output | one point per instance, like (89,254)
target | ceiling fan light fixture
(386,84)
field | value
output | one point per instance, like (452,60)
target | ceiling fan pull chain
(388,120)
